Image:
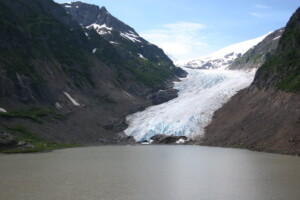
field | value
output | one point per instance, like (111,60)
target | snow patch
(73,101)
(112,42)
(3,110)
(94,50)
(277,38)
(141,56)
(58,106)
(128,95)
(130,36)
(101,29)
(68,6)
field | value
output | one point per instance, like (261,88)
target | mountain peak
(88,15)
(225,56)
(120,35)
(103,9)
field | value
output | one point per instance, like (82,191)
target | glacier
(200,94)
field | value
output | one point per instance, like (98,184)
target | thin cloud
(181,40)
(255,14)
(261,6)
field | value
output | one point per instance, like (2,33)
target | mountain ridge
(255,57)
(224,57)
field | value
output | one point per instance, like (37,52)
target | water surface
(149,173)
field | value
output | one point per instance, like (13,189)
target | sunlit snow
(277,38)
(112,42)
(73,101)
(101,29)
(200,95)
(58,105)
(223,57)
(130,36)
(3,110)
(141,56)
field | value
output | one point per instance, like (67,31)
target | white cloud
(261,6)
(255,14)
(181,40)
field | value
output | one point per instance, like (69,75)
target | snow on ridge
(73,101)
(241,47)
(71,2)
(223,57)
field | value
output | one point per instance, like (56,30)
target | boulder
(7,140)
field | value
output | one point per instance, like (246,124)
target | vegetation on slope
(282,70)
(29,142)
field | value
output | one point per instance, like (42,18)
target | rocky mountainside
(223,57)
(126,40)
(256,56)
(265,116)
(63,82)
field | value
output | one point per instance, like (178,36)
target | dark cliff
(282,70)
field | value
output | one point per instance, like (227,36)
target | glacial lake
(149,173)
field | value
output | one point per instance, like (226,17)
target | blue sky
(187,29)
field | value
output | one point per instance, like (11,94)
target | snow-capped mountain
(99,19)
(257,56)
(123,37)
(223,57)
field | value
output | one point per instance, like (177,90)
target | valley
(192,100)
(74,74)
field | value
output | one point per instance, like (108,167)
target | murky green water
(149,172)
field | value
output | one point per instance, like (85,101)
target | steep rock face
(256,56)
(265,116)
(282,70)
(65,86)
